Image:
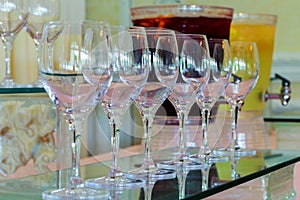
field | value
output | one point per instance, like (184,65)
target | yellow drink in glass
(261,29)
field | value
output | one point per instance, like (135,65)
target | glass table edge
(252,176)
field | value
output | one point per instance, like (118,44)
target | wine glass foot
(114,183)
(37,83)
(209,158)
(153,174)
(186,164)
(237,152)
(7,83)
(75,194)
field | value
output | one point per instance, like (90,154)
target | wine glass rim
(68,21)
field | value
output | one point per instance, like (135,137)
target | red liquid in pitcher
(210,26)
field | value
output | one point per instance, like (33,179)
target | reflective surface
(269,165)
(249,168)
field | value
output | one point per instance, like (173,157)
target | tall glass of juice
(260,28)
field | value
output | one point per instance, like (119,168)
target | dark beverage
(211,27)
(213,21)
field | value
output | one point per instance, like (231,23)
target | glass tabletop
(248,168)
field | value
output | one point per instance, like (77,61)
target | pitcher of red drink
(213,21)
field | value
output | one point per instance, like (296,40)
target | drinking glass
(13,17)
(131,68)
(163,73)
(220,72)
(245,69)
(247,27)
(80,73)
(194,54)
(193,57)
(40,12)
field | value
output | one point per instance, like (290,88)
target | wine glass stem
(148,188)
(50,54)
(205,149)
(115,144)
(75,179)
(148,162)
(234,115)
(7,45)
(182,137)
(205,177)
(182,176)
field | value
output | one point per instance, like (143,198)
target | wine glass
(80,72)
(194,54)
(40,12)
(130,66)
(13,17)
(220,72)
(245,68)
(162,77)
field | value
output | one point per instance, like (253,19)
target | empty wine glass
(80,72)
(163,73)
(131,68)
(194,53)
(40,12)
(245,68)
(220,72)
(13,17)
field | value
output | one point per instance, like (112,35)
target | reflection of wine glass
(13,17)
(220,71)
(130,66)
(40,12)
(162,77)
(245,68)
(81,71)
(194,55)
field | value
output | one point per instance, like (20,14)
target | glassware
(194,53)
(162,77)
(80,72)
(220,72)
(40,12)
(247,27)
(194,56)
(183,97)
(13,17)
(245,70)
(131,68)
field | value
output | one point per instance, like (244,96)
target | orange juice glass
(260,28)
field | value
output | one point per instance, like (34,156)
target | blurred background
(286,52)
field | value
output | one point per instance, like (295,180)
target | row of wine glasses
(219,81)
(28,14)
(81,68)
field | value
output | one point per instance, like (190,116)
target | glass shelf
(22,90)
(265,162)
